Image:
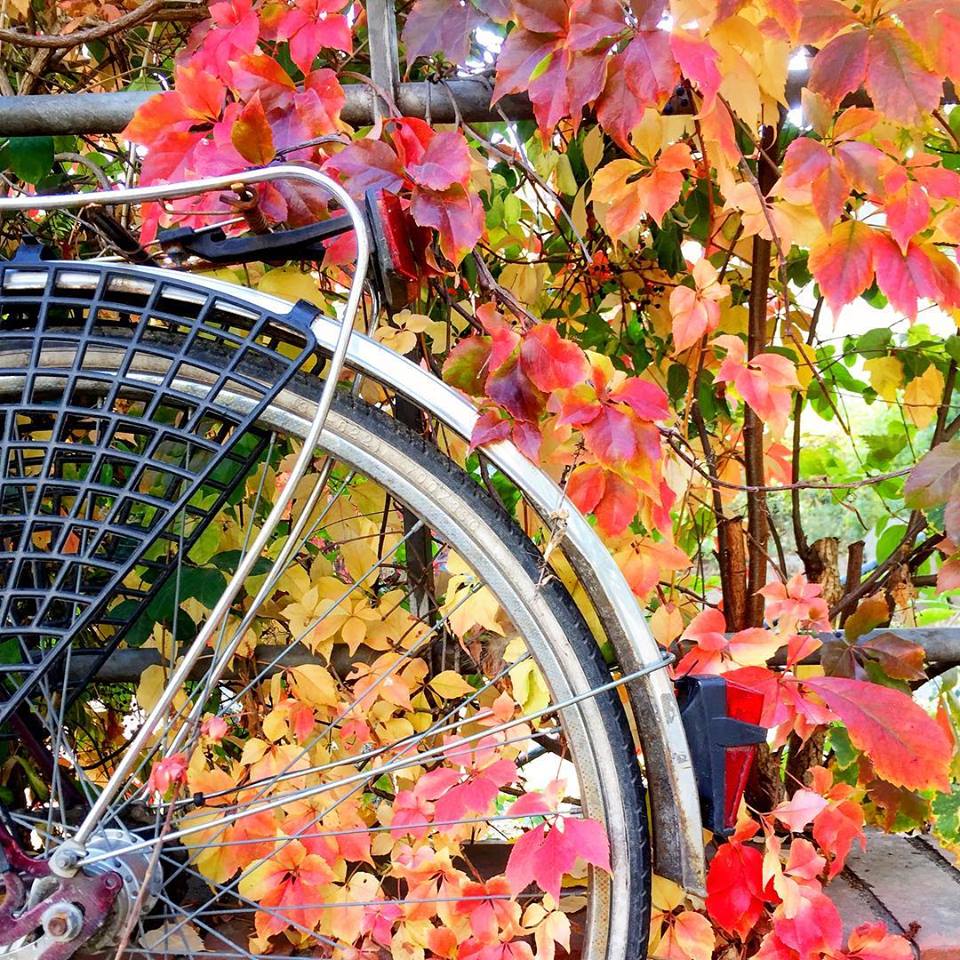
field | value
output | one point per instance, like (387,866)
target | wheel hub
(46,916)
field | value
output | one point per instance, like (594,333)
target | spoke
(255,907)
(288,773)
(202,694)
(380,828)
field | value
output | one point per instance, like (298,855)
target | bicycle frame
(676,816)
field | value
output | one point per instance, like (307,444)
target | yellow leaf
(314,685)
(667,895)
(450,685)
(923,396)
(593,148)
(397,728)
(152,683)
(524,280)
(175,939)
(886,376)
(253,750)
(578,213)
(291,284)
(666,625)
(529,688)
(275,725)
(806,363)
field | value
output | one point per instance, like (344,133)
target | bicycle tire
(434,487)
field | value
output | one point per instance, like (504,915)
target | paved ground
(909,883)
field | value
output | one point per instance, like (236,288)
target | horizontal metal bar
(75,113)
(942,645)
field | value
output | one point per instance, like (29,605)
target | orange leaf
(842,263)
(251,133)
(633,191)
(905,745)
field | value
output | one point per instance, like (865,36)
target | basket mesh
(108,476)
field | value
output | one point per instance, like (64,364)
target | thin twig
(64,41)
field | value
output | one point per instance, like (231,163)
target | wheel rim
(289,415)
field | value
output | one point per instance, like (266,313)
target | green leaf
(844,751)
(206,545)
(678,376)
(946,811)
(874,297)
(890,540)
(873,341)
(30,158)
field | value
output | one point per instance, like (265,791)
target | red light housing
(721,720)
(393,247)
(746,705)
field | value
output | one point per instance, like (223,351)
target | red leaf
(649,68)
(543,855)
(823,19)
(617,506)
(592,22)
(764,381)
(541,16)
(870,941)
(514,391)
(477,793)
(440,26)
(897,80)
(312,25)
(647,400)
(259,73)
(842,263)
(651,194)
(410,136)
(935,476)
(645,562)
(898,658)
(528,439)
(735,893)
(586,75)
(839,824)
(552,362)
(907,209)
(840,67)
(367,165)
(809,169)
(444,163)
(456,215)
(903,277)
(548,90)
(519,56)
(697,60)
(489,428)
(466,365)
(644,75)
(586,485)
(905,745)
(815,928)
(251,134)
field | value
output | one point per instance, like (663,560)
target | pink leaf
(543,855)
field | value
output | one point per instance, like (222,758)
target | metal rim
(292,414)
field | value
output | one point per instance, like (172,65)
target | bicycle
(143,409)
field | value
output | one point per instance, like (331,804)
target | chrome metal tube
(289,171)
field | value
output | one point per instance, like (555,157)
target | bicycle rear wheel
(333,714)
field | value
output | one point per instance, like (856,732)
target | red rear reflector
(747,705)
(397,236)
